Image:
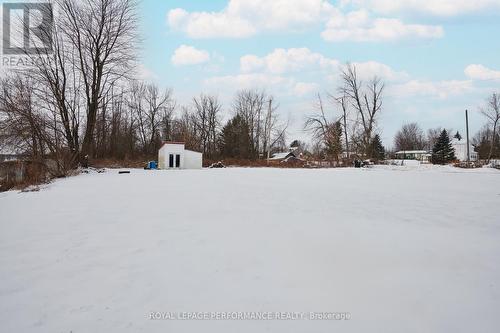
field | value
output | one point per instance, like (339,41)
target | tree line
(83,101)
(486,142)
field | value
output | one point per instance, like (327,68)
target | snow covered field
(400,249)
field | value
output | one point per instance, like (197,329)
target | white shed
(173,155)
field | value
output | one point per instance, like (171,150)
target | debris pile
(217,165)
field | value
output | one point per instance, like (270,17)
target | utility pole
(268,129)
(467,131)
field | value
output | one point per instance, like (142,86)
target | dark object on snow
(151,165)
(85,161)
(120,172)
(217,165)
(358,163)
(91,169)
(367,163)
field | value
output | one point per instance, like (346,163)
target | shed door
(177,161)
(171,160)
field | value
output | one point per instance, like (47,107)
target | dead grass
(233,162)
(116,164)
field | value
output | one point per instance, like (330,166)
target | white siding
(461,150)
(192,159)
(166,150)
(188,159)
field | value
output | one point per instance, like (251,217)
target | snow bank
(401,251)
(412,163)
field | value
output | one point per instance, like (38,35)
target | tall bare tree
(250,105)
(327,132)
(344,104)
(366,100)
(492,113)
(206,117)
(103,35)
(56,83)
(159,105)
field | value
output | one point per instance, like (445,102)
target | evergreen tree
(458,136)
(333,143)
(443,152)
(235,138)
(377,150)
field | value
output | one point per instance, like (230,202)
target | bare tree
(250,105)
(409,137)
(28,126)
(274,133)
(135,101)
(56,84)
(492,113)
(206,116)
(482,143)
(365,100)
(343,102)
(184,129)
(22,126)
(328,133)
(159,105)
(103,36)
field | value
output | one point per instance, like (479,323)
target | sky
(437,58)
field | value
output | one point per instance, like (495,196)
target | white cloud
(369,69)
(242,18)
(287,60)
(439,89)
(434,7)
(480,72)
(304,88)
(209,25)
(358,26)
(295,72)
(250,63)
(188,55)
(248,81)
(275,83)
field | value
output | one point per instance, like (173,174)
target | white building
(460,147)
(173,155)
(10,153)
(418,155)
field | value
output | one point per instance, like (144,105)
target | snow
(408,249)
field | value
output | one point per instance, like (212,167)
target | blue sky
(437,58)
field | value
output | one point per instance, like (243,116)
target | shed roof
(174,143)
(412,152)
(280,156)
